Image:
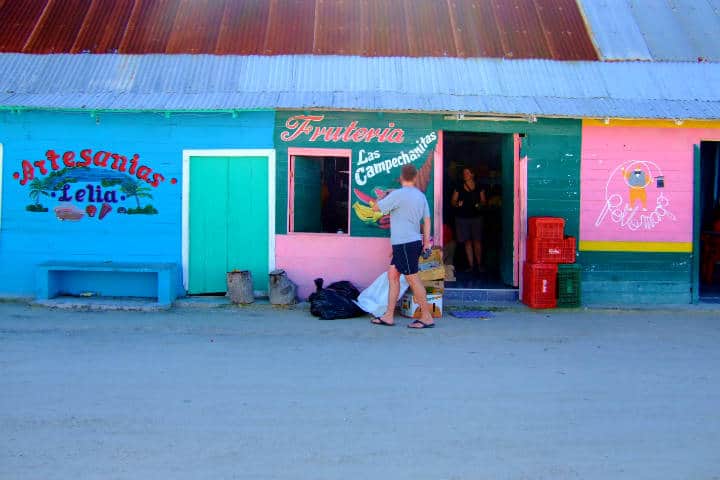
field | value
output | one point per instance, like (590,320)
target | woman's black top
(471,202)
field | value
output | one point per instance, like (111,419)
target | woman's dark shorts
(406,257)
(469,229)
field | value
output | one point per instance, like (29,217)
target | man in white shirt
(407,207)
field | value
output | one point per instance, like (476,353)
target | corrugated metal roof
(552,29)
(663,30)
(210,82)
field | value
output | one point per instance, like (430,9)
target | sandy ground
(259,393)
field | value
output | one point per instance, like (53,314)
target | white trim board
(187,154)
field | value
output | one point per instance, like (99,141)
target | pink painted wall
(606,213)
(332,257)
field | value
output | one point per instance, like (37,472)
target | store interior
(477,259)
(710,221)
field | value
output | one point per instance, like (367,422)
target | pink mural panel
(637,183)
(306,257)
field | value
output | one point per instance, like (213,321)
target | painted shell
(68,212)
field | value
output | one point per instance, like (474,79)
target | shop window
(319,192)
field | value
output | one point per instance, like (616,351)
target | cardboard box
(450,273)
(410,308)
(434,286)
(432,268)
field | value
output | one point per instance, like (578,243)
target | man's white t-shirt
(407,208)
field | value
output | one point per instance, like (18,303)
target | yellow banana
(365,213)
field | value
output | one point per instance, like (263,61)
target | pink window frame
(315,152)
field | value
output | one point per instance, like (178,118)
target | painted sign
(636,191)
(306,125)
(380,147)
(89,184)
(635,198)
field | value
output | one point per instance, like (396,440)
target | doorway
(709,218)
(228,218)
(479,209)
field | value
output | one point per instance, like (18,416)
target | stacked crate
(547,247)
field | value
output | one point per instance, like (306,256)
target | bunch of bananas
(366,213)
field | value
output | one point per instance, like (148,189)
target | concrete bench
(108,279)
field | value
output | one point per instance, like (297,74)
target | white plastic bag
(374,299)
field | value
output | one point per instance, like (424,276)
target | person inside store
(468,200)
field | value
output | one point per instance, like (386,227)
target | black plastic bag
(345,288)
(334,302)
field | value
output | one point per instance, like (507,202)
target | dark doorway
(475,201)
(710,221)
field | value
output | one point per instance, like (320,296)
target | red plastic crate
(568,251)
(546,228)
(540,250)
(540,285)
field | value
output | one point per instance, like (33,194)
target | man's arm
(385,204)
(426,233)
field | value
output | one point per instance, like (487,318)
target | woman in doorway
(468,200)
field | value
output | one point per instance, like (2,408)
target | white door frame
(240,152)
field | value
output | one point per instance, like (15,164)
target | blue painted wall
(28,238)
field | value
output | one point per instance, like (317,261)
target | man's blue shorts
(406,257)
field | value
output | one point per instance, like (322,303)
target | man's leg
(393,293)
(418,291)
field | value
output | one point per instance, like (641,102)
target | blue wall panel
(28,238)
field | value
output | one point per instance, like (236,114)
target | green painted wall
(417,131)
(627,279)
(552,147)
(553,150)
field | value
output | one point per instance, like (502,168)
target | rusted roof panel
(291,27)
(384,35)
(551,29)
(477,31)
(18,20)
(343,32)
(521,30)
(561,20)
(58,27)
(243,29)
(104,26)
(190,33)
(430,30)
(150,26)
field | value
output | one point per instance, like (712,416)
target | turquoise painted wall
(31,237)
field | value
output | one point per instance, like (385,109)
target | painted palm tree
(37,187)
(137,189)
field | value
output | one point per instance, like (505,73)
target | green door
(228,221)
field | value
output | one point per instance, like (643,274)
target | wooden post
(240,287)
